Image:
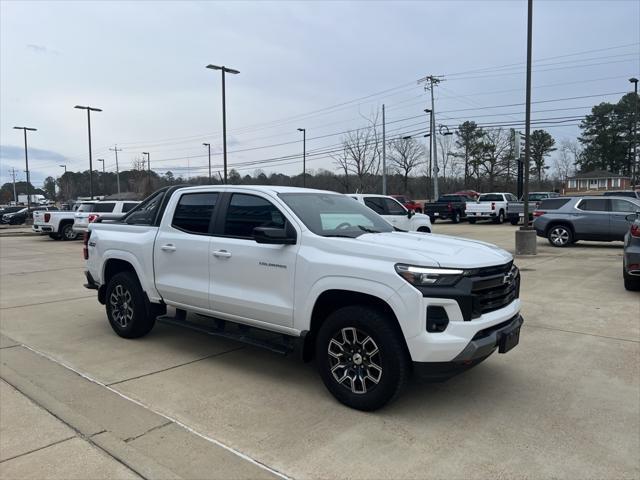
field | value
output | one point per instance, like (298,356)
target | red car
(408,203)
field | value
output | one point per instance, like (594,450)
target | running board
(239,332)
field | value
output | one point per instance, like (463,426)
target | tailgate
(478,207)
(38,216)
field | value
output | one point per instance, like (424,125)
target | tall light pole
(26,161)
(65,172)
(116,149)
(104,184)
(634,165)
(89,110)
(384,153)
(148,168)
(208,145)
(304,156)
(224,70)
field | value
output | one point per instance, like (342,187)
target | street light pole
(104,183)
(304,156)
(384,154)
(63,175)
(208,145)
(89,110)
(224,111)
(634,165)
(26,161)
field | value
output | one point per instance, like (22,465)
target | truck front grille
(495,288)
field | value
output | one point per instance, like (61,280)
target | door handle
(168,248)
(221,254)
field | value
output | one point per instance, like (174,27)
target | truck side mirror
(632,216)
(410,213)
(275,236)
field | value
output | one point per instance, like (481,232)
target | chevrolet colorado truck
(311,272)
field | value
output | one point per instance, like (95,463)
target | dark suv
(565,220)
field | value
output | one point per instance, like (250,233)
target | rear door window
(104,207)
(193,212)
(623,206)
(593,205)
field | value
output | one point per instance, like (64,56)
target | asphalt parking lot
(80,402)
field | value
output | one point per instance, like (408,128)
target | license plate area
(508,340)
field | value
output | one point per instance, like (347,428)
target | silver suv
(566,220)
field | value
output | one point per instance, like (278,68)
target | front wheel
(126,306)
(424,230)
(560,236)
(361,357)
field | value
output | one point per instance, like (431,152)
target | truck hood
(426,249)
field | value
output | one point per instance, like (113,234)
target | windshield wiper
(339,235)
(368,230)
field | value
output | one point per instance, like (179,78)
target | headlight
(424,276)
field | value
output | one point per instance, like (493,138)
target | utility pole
(13,174)
(525,236)
(430,135)
(433,81)
(208,145)
(26,161)
(116,149)
(304,156)
(224,112)
(634,165)
(89,110)
(384,154)
(104,182)
(148,168)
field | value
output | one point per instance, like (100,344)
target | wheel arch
(555,223)
(331,300)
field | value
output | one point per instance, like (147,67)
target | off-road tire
(127,308)
(373,328)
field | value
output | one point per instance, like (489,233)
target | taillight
(92,218)
(47,217)
(85,245)
(538,213)
(449,206)
(493,205)
(635,230)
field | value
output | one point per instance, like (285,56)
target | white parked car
(394,212)
(282,267)
(490,206)
(103,210)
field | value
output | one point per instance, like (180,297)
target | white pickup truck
(298,269)
(58,225)
(104,210)
(394,212)
(490,206)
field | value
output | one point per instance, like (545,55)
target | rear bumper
(483,344)
(481,214)
(42,228)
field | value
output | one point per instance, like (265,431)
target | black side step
(239,333)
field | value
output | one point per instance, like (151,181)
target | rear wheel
(514,221)
(472,221)
(127,307)
(455,217)
(361,357)
(500,218)
(424,230)
(631,282)
(67,232)
(560,236)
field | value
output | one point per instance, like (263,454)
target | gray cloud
(41,49)
(13,152)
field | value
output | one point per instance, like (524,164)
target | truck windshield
(334,215)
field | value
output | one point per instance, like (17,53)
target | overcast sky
(143,63)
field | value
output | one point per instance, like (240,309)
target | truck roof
(257,188)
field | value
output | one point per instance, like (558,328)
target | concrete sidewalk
(55,423)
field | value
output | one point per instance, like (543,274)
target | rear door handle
(168,248)
(221,254)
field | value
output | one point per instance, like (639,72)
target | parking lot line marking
(583,333)
(232,450)
(44,303)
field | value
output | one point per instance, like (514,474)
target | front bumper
(483,344)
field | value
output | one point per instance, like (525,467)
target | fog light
(437,319)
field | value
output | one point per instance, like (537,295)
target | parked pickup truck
(299,269)
(105,210)
(58,225)
(515,210)
(447,207)
(490,206)
(394,212)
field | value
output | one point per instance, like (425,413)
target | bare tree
(361,152)
(447,159)
(404,156)
(565,161)
(496,146)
